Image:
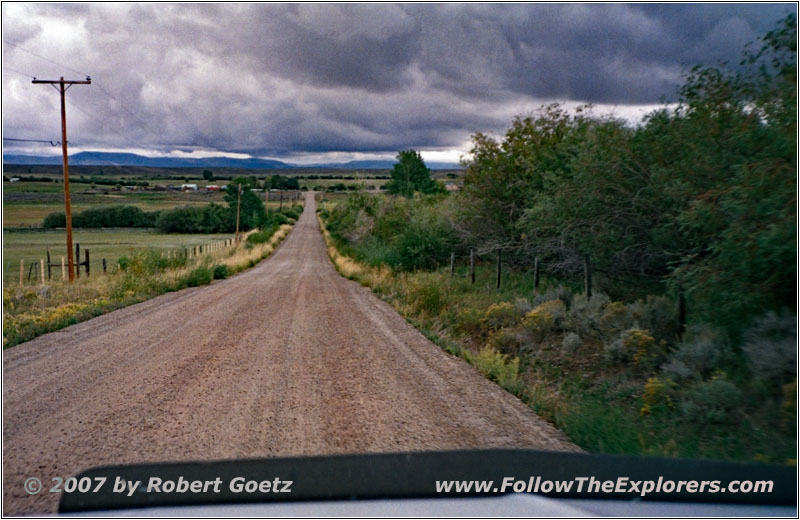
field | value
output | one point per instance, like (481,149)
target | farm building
(188,187)
(212,187)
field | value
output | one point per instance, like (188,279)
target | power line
(18,71)
(52,143)
(43,58)
(107,93)
(58,143)
(104,123)
(103,90)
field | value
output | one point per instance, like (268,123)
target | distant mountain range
(130,159)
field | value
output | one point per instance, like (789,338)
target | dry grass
(378,278)
(29,311)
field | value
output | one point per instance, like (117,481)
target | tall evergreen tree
(410,175)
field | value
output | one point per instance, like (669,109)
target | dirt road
(287,358)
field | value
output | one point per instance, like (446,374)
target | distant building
(451,187)
(188,187)
(212,187)
(14,179)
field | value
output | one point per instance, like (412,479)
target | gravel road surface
(287,358)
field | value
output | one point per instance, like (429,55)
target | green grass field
(26,204)
(32,245)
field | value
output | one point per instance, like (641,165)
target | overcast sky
(308,82)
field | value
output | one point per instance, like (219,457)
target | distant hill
(130,159)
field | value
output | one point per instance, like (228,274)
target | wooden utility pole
(238,208)
(62,88)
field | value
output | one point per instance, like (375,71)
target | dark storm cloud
(280,79)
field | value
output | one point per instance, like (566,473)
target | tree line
(210,218)
(697,201)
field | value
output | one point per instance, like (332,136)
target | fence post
(86,255)
(49,272)
(104,266)
(41,263)
(587,276)
(499,260)
(452,263)
(472,264)
(30,270)
(535,275)
(21,270)
(78,260)
(63,269)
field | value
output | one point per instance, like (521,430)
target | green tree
(253,214)
(410,175)
(208,175)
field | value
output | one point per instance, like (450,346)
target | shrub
(500,315)
(468,320)
(292,213)
(572,343)
(426,296)
(423,246)
(55,220)
(584,313)
(149,261)
(212,218)
(771,349)
(375,252)
(220,271)
(544,318)
(614,318)
(261,237)
(712,401)
(114,216)
(643,346)
(522,305)
(274,218)
(498,367)
(657,314)
(505,341)
(560,292)
(636,345)
(103,217)
(199,276)
(703,350)
(657,395)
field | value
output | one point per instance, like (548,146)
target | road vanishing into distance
(287,358)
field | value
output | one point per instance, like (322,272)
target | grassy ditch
(29,312)
(599,370)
